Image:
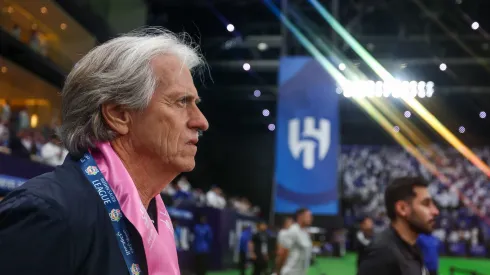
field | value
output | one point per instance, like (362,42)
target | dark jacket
(388,254)
(56,224)
(362,243)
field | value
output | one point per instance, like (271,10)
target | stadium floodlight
(475,26)
(395,89)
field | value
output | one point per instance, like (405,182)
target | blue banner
(307,138)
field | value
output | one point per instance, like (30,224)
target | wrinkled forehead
(171,70)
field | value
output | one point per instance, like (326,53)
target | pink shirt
(160,250)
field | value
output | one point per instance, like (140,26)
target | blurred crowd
(366,170)
(19,139)
(180,193)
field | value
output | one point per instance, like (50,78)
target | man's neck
(405,232)
(149,175)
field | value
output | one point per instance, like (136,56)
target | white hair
(118,72)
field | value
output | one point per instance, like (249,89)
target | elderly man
(131,125)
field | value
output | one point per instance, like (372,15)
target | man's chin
(187,166)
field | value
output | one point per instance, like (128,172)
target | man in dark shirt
(363,237)
(258,247)
(412,212)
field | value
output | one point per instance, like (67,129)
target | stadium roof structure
(416,40)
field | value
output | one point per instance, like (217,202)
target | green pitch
(347,266)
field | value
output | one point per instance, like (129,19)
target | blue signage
(307,138)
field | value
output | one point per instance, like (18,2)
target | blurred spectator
(4,134)
(203,237)
(24,119)
(6,113)
(16,31)
(16,147)
(199,196)
(170,189)
(366,170)
(214,198)
(245,238)
(184,184)
(35,41)
(52,153)
(258,248)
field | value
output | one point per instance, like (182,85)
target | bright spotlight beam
(373,112)
(412,102)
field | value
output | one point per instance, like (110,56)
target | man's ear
(402,208)
(117,118)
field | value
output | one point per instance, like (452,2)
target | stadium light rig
(395,89)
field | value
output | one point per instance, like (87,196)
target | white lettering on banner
(100,189)
(307,141)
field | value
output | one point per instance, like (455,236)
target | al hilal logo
(92,170)
(135,269)
(115,215)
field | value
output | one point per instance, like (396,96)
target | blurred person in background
(177,234)
(131,124)
(24,122)
(259,249)
(214,198)
(430,251)
(15,144)
(184,184)
(52,153)
(199,197)
(4,134)
(203,238)
(364,237)
(246,236)
(6,113)
(16,31)
(412,212)
(286,224)
(295,248)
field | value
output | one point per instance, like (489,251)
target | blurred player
(295,247)
(288,221)
(412,212)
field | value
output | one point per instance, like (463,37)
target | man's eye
(183,100)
